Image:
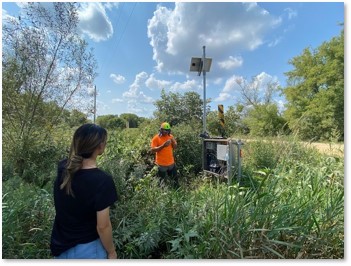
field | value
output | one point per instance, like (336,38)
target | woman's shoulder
(103,177)
(100,173)
(103,172)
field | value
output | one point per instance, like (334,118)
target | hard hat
(165,126)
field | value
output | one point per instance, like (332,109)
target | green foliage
(36,91)
(289,203)
(292,205)
(111,122)
(315,91)
(75,118)
(130,150)
(123,121)
(264,120)
(35,162)
(188,153)
(176,108)
(27,217)
(232,122)
(132,120)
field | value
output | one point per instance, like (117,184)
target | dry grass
(333,149)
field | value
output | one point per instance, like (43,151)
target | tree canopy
(176,108)
(315,92)
(45,63)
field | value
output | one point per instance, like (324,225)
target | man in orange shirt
(163,145)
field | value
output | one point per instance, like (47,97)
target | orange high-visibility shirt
(164,157)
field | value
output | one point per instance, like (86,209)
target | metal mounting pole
(204,84)
(239,143)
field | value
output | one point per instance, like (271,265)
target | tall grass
(292,207)
(27,217)
(290,204)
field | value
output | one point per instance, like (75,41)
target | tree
(132,120)
(260,90)
(257,107)
(176,108)
(44,60)
(232,122)
(265,120)
(111,121)
(76,118)
(315,92)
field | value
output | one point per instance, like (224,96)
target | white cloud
(117,100)
(189,85)
(231,62)
(4,13)
(94,22)
(218,81)
(111,5)
(134,93)
(275,42)
(118,79)
(265,78)
(153,83)
(291,13)
(223,96)
(179,34)
(232,86)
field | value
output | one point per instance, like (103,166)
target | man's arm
(158,148)
(174,143)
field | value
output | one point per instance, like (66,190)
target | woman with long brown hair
(83,195)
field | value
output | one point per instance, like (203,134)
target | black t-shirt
(75,220)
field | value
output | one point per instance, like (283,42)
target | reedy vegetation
(289,204)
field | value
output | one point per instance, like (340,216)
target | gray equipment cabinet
(222,158)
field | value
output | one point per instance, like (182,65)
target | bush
(27,218)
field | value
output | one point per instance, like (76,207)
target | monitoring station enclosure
(222,158)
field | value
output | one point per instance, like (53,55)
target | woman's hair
(85,141)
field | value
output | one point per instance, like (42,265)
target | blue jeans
(91,250)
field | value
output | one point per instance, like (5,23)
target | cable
(125,27)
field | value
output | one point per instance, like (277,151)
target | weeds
(290,204)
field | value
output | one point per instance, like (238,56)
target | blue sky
(146,46)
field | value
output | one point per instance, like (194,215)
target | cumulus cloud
(224,28)
(261,83)
(231,62)
(94,22)
(153,83)
(189,85)
(135,107)
(134,92)
(223,96)
(263,78)
(118,79)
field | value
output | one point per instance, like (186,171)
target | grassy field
(289,205)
